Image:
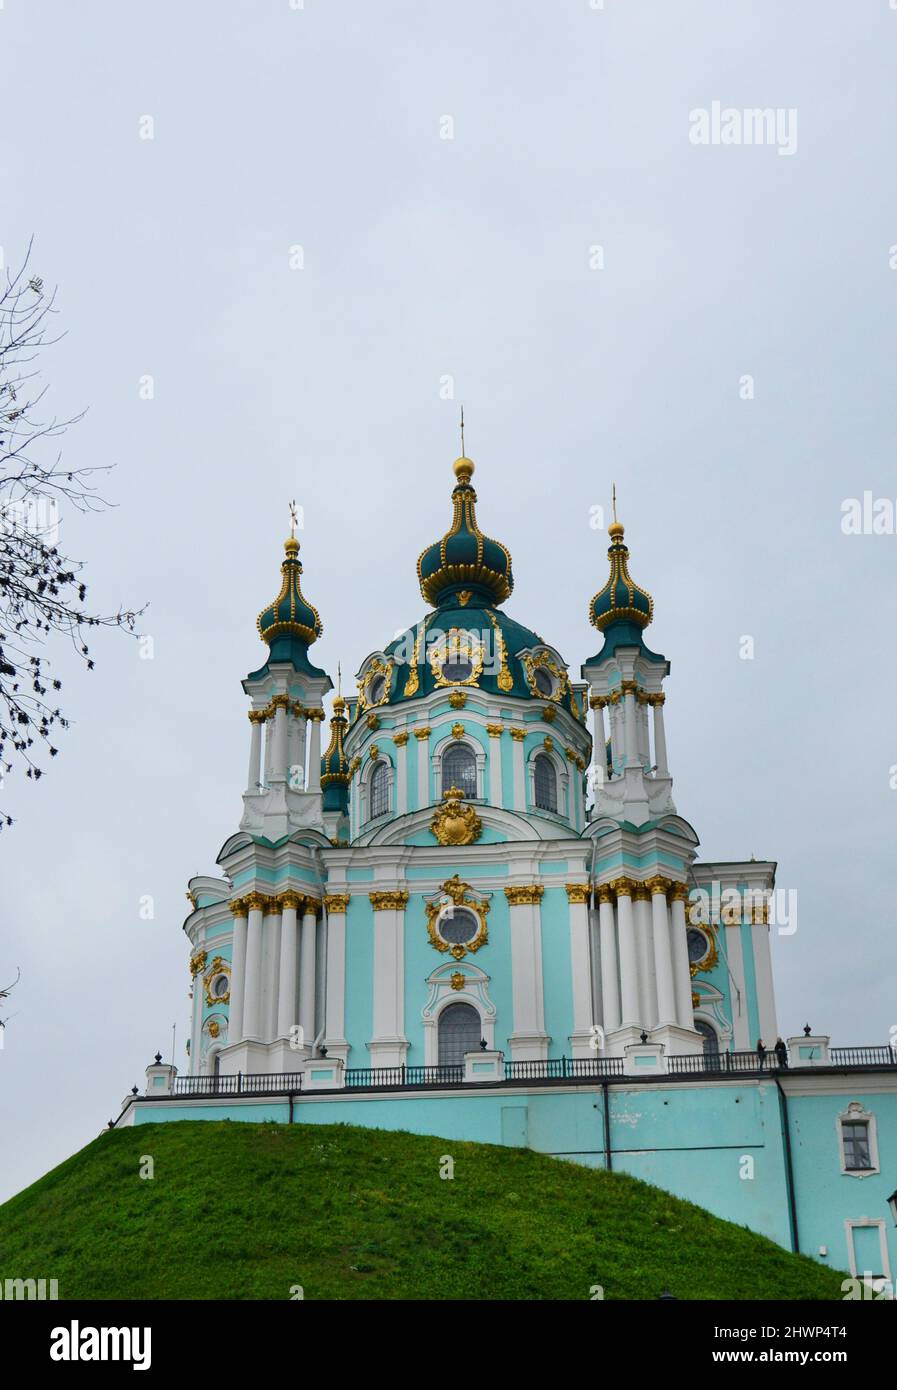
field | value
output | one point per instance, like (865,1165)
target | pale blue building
(478,913)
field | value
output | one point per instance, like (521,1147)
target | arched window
(546,784)
(711,1042)
(459,769)
(459,1032)
(379,790)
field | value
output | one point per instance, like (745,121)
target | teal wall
(359,974)
(557,973)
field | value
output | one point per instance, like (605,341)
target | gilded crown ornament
(455,823)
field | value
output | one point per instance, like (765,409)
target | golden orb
(615,530)
(463,469)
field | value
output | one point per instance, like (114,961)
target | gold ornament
(458,980)
(524,895)
(400,739)
(198,963)
(373,721)
(457,731)
(495,730)
(518,734)
(454,823)
(577,892)
(336,902)
(457,644)
(421,734)
(458,699)
(458,892)
(393,900)
(549,713)
(505,679)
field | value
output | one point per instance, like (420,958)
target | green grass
(245,1211)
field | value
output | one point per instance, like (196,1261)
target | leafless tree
(43,597)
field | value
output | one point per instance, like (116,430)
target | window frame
(857,1114)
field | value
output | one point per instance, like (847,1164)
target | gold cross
(293,519)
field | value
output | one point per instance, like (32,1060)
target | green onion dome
(290,620)
(621,600)
(334,762)
(465,561)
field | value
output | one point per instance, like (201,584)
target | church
(472,908)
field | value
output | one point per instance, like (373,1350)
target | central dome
(465,561)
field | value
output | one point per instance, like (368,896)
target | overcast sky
(472,258)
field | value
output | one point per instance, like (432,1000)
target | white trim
(364,790)
(855,1114)
(475,992)
(849,1227)
(562,786)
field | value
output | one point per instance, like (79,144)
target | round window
(376,689)
(458,926)
(697,945)
(543,681)
(220,986)
(457,667)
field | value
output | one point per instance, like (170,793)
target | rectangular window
(857,1153)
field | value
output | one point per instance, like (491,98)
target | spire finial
(339,681)
(293,519)
(615,501)
(462,432)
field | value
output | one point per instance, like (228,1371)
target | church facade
(478,912)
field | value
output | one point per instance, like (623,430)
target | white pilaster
(279,753)
(660,738)
(307,975)
(610,984)
(685,1014)
(423,768)
(254,775)
(629,1000)
(581,969)
(237,974)
(495,766)
(663,958)
(314,751)
(646,971)
(286,1003)
(252,992)
(517,736)
(335,1001)
(529,1041)
(401,745)
(389,1046)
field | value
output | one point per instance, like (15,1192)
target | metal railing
(883,1056)
(551,1070)
(375,1078)
(715,1062)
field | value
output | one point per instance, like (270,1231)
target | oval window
(697,945)
(458,926)
(376,689)
(543,681)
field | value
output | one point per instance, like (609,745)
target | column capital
(423,733)
(658,886)
(336,902)
(577,892)
(400,739)
(238,907)
(524,894)
(604,893)
(495,730)
(256,716)
(598,702)
(518,734)
(641,893)
(280,702)
(316,714)
(291,899)
(628,687)
(255,902)
(392,900)
(679,892)
(623,887)
(311,905)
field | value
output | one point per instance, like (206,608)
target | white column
(663,956)
(494,731)
(335,1000)
(610,985)
(401,743)
(581,969)
(307,974)
(599,742)
(517,736)
(423,768)
(270,969)
(660,738)
(628,953)
(647,974)
(529,1041)
(286,1001)
(196,1022)
(314,750)
(685,1014)
(630,734)
(254,776)
(388,1046)
(279,752)
(237,973)
(615,710)
(735,957)
(252,993)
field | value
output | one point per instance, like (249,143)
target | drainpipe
(789,1165)
(608,1159)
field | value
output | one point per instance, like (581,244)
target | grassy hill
(240,1211)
